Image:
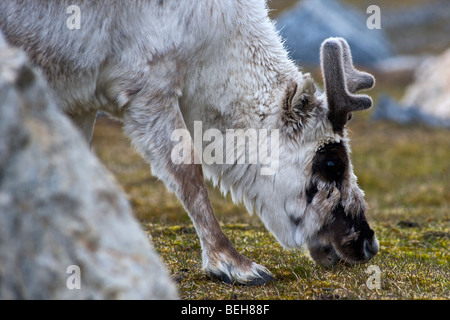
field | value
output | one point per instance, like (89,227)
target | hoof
(257,275)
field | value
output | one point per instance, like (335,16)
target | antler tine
(356,80)
(341,102)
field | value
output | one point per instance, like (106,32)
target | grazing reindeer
(161,65)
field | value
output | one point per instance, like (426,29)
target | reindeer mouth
(347,240)
(328,255)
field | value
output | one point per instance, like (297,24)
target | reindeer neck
(239,80)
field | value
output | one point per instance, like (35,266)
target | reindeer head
(318,199)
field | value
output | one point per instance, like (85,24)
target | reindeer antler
(342,80)
(356,80)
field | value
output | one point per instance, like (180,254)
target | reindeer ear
(298,103)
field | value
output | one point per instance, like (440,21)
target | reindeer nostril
(371,248)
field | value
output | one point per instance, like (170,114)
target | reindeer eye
(331,163)
(333,169)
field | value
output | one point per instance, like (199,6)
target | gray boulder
(430,90)
(426,99)
(311,21)
(64,220)
(389,109)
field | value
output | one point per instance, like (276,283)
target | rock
(408,224)
(311,21)
(430,90)
(388,109)
(426,100)
(59,207)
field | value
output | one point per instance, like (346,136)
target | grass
(413,264)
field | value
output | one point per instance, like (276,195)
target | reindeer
(161,65)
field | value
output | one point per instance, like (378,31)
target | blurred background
(401,147)
(403,43)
